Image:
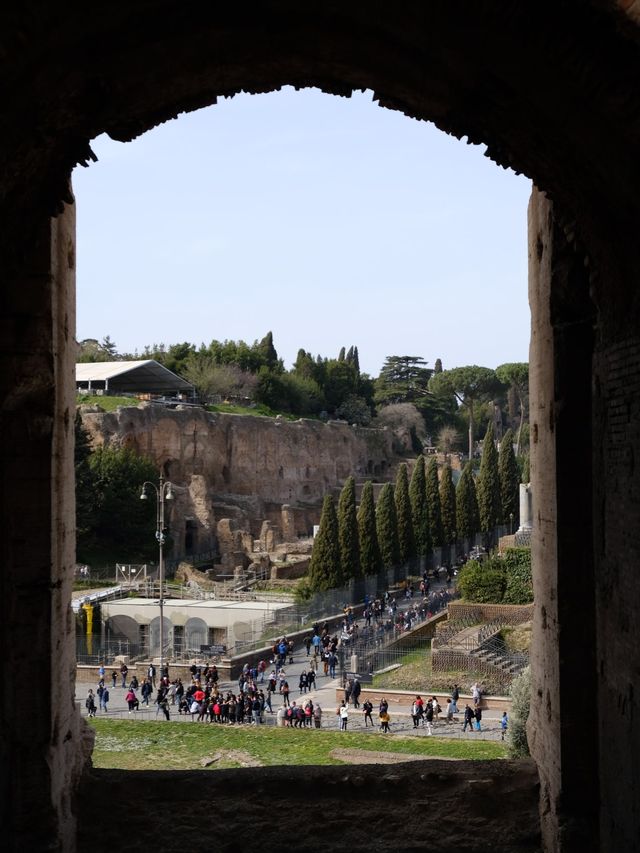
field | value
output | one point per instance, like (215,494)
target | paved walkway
(324,694)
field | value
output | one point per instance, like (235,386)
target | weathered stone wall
(241,467)
(513,614)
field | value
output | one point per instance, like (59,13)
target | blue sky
(329,221)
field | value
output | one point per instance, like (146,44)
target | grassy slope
(130,745)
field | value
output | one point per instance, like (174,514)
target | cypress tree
(348,531)
(448,505)
(406,539)
(489,484)
(370,561)
(433,501)
(509,480)
(324,567)
(420,509)
(467,515)
(526,469)
(387,528)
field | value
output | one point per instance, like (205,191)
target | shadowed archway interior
(552,89)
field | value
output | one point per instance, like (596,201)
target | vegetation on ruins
(420,509)
(370,559)
(433,500)
(325,567)
(387,527)
(448,505)
(253,375)
(509,481)
(348,531)
(467,516)
(406,539)
(488,484)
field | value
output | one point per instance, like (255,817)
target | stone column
(41,751)
(288,524)
(562,731)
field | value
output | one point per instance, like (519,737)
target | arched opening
(564,122)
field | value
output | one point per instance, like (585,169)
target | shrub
(519,586)
(520,706)
(483,584)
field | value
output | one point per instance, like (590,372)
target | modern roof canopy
(135,377)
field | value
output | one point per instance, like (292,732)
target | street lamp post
(163,493)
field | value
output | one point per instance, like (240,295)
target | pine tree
(420,509)
(324,567)
(370,561)
(467,515)
(406,539)
(509,481)
(348,531)
(488,486)
(341,354)
(387,527)
(433,501)
(448,505)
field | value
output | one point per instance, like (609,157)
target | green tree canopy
(448,505)
(406,539)
(348,531)
(114,524)
(325,568)
(370,560)
(467,515)
(509,481)
(516,376)
(488,486)
(403,379)
(471,385)
(420,509)
(433,501)
(387,528)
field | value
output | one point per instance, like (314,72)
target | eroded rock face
(233,472)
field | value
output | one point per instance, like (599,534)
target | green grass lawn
(130,745)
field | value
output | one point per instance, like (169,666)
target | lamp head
(169,494)
(143,494)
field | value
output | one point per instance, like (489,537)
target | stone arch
(552,95)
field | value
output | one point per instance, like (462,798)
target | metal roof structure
(142,377)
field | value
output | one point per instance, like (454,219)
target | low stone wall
(401,700)
(290,571)
(512,614)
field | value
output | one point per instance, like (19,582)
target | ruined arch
(552,89)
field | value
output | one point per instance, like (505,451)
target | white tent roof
(136,376)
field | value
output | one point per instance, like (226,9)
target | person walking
(504,724)
(355,693)
(132,700)
(468,718)
(90,704)
(284,690)
(455,695)
(478,715)
(385,719)
(428,717)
